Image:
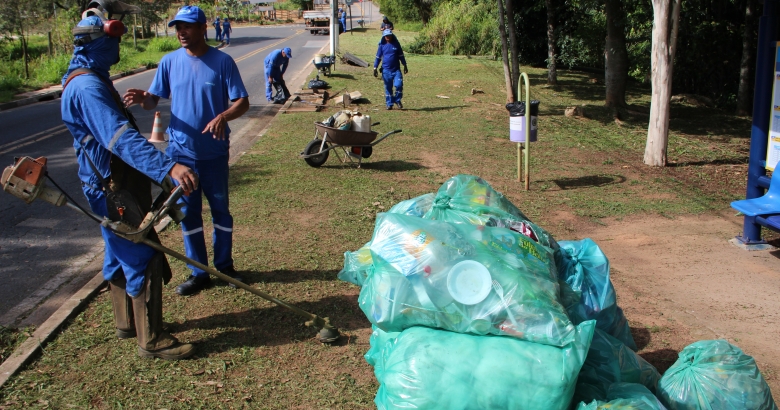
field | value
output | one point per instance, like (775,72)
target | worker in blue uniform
(115,159)
(391,55)
(227,30)
(386,24)
(218,28)
(201,82)
(343,20)
(275,66)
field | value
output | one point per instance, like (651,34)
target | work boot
(400,106)
(389,107)
(231,271)
(123,307)
(153,341)
(193,285)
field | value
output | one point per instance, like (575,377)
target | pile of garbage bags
(475,306)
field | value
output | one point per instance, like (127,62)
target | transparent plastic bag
(470,199)
(714,374)
(609,361)
(625,396)
(358,264)
(416,281)
(423,368)
(585,269)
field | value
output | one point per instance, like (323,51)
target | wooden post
(135,23)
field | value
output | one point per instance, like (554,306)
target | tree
(666,18)
(745,92)
(510,90)
(615,55)
(552,72)
(510,54)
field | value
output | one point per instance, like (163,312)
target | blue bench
(765,209)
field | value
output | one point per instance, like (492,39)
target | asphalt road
(43,247)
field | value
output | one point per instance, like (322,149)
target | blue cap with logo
(287,51)
(189,14)
(387,32)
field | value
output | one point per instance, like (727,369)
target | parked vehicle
(317,21)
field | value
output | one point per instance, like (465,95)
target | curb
(57,93)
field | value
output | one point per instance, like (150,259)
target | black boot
(231,271)
(193,284)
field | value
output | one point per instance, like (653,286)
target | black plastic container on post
(517,121)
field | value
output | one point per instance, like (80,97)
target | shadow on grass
(743,160)
(641,337)
(273,326)
(346,76)
(702,121)
(662,359)
(384,166)
(431,109)
(590,181)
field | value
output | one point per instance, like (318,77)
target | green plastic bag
(714,374)
(463,278)
(422,368)
(625,396)
(585,269)
(470,199)
(609,361)
(358,264)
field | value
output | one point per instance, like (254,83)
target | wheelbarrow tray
(345,137)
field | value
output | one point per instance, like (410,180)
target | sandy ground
(680,280)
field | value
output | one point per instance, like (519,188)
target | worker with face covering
(391,55)
(113,157)
(275,66)
(386,24)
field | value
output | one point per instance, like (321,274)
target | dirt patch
(680,280)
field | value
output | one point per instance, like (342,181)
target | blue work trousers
(219,34)
(213,177)
(226,36)
(393,78)
(121,256)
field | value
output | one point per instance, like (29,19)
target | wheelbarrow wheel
(312,148)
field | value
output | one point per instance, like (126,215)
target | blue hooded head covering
(98,55)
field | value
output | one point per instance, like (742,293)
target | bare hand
(134,96)
(216,127)
(186,177)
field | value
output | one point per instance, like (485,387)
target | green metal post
(526,153)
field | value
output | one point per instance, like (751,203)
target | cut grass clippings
(294,222)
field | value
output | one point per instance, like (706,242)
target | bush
(163,44)
(49,70)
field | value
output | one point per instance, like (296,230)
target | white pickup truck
(317,21)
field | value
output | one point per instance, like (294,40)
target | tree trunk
(666,17)
(510,88)
(552,71)
(515,49)
(615,55)
(745,93)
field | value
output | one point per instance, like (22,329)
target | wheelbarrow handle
(385,136)
(375,124)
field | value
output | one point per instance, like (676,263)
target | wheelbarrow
(355,145)
(324,66)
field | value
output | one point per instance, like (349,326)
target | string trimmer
(25,180)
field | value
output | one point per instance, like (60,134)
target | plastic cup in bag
(469,282)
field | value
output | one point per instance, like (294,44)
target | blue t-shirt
(200,88)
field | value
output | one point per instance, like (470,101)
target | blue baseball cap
(189,14)
(387,32)
(288,52)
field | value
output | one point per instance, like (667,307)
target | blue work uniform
(100,130)
(200,88)
(392,56)
(218,29)
(226,30)
(275,65)
(343,21)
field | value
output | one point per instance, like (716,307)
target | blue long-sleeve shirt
(100,129)
(390,54)
(274,61)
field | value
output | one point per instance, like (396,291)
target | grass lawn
(294,222)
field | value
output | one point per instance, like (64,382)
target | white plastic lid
(469,282)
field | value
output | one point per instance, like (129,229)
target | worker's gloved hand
(375,73)
(406,70)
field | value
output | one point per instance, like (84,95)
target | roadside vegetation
(294,222)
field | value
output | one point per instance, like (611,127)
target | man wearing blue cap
(227,30)
(218,29)
(201,81)
(275,66)
(116,168)
(391,55)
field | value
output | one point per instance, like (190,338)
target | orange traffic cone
(158,132)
